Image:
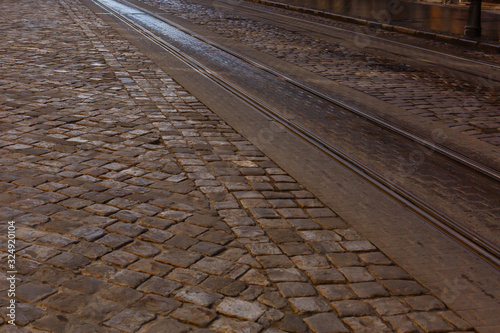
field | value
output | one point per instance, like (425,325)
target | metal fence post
(473,27)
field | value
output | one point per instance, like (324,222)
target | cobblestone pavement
(138,209)
(468,108)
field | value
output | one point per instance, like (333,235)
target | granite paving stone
(250,311)
(326,323)
(194,314)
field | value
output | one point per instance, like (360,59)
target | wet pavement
(422,15)
(138,209)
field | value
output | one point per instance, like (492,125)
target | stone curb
(388,27)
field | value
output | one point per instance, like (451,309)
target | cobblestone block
(239,221)
(352,308)
(366,324)
(217,237)
(181,241)
(234,307)
(156,236)
(31,292)
(275,261)
(85,284)
(126,229)
(273,224)
(194,314)
(344,259)
(403,287)
(89,233)
(100,209)
(264,213)
(295,249)
(389,306)
(248,231)
(401,323)
(314,261)
(151,267)
(296,289)
(120,258)
(325,276)
(368,289)
(430,322)
(37,252)
(26,314)
(142,249)
(159,286)
(286,275)
(273,299)
(225,324)
(326,247)
(255,277)
(127,216)
(424,303)
(374,258)
(293,323)
(356,274)
(292,213)
(113,240)
(213,266)
(179,258)
(187,229)
(75,203)
(303,305)
(66,301)
(455,320)
(280,236)
(206,221)
(335,292)
(389,273)
(51,323)
(319,235)
(207,249)
(129,320)
(187,276)
(55,240)
(129,278)
(257,249)
(69,260)
(162,324)
(154,222)
(237,271)
(60,225)
(358,246)
(197,296)
(175,215)
(255,203)
(304,224)
(100,270)
(326,323)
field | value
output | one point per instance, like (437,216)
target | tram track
(471,240)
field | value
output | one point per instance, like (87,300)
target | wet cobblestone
(132,203)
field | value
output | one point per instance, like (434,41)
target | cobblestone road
(138,209)
(468,108)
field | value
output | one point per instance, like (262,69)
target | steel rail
(475,243)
